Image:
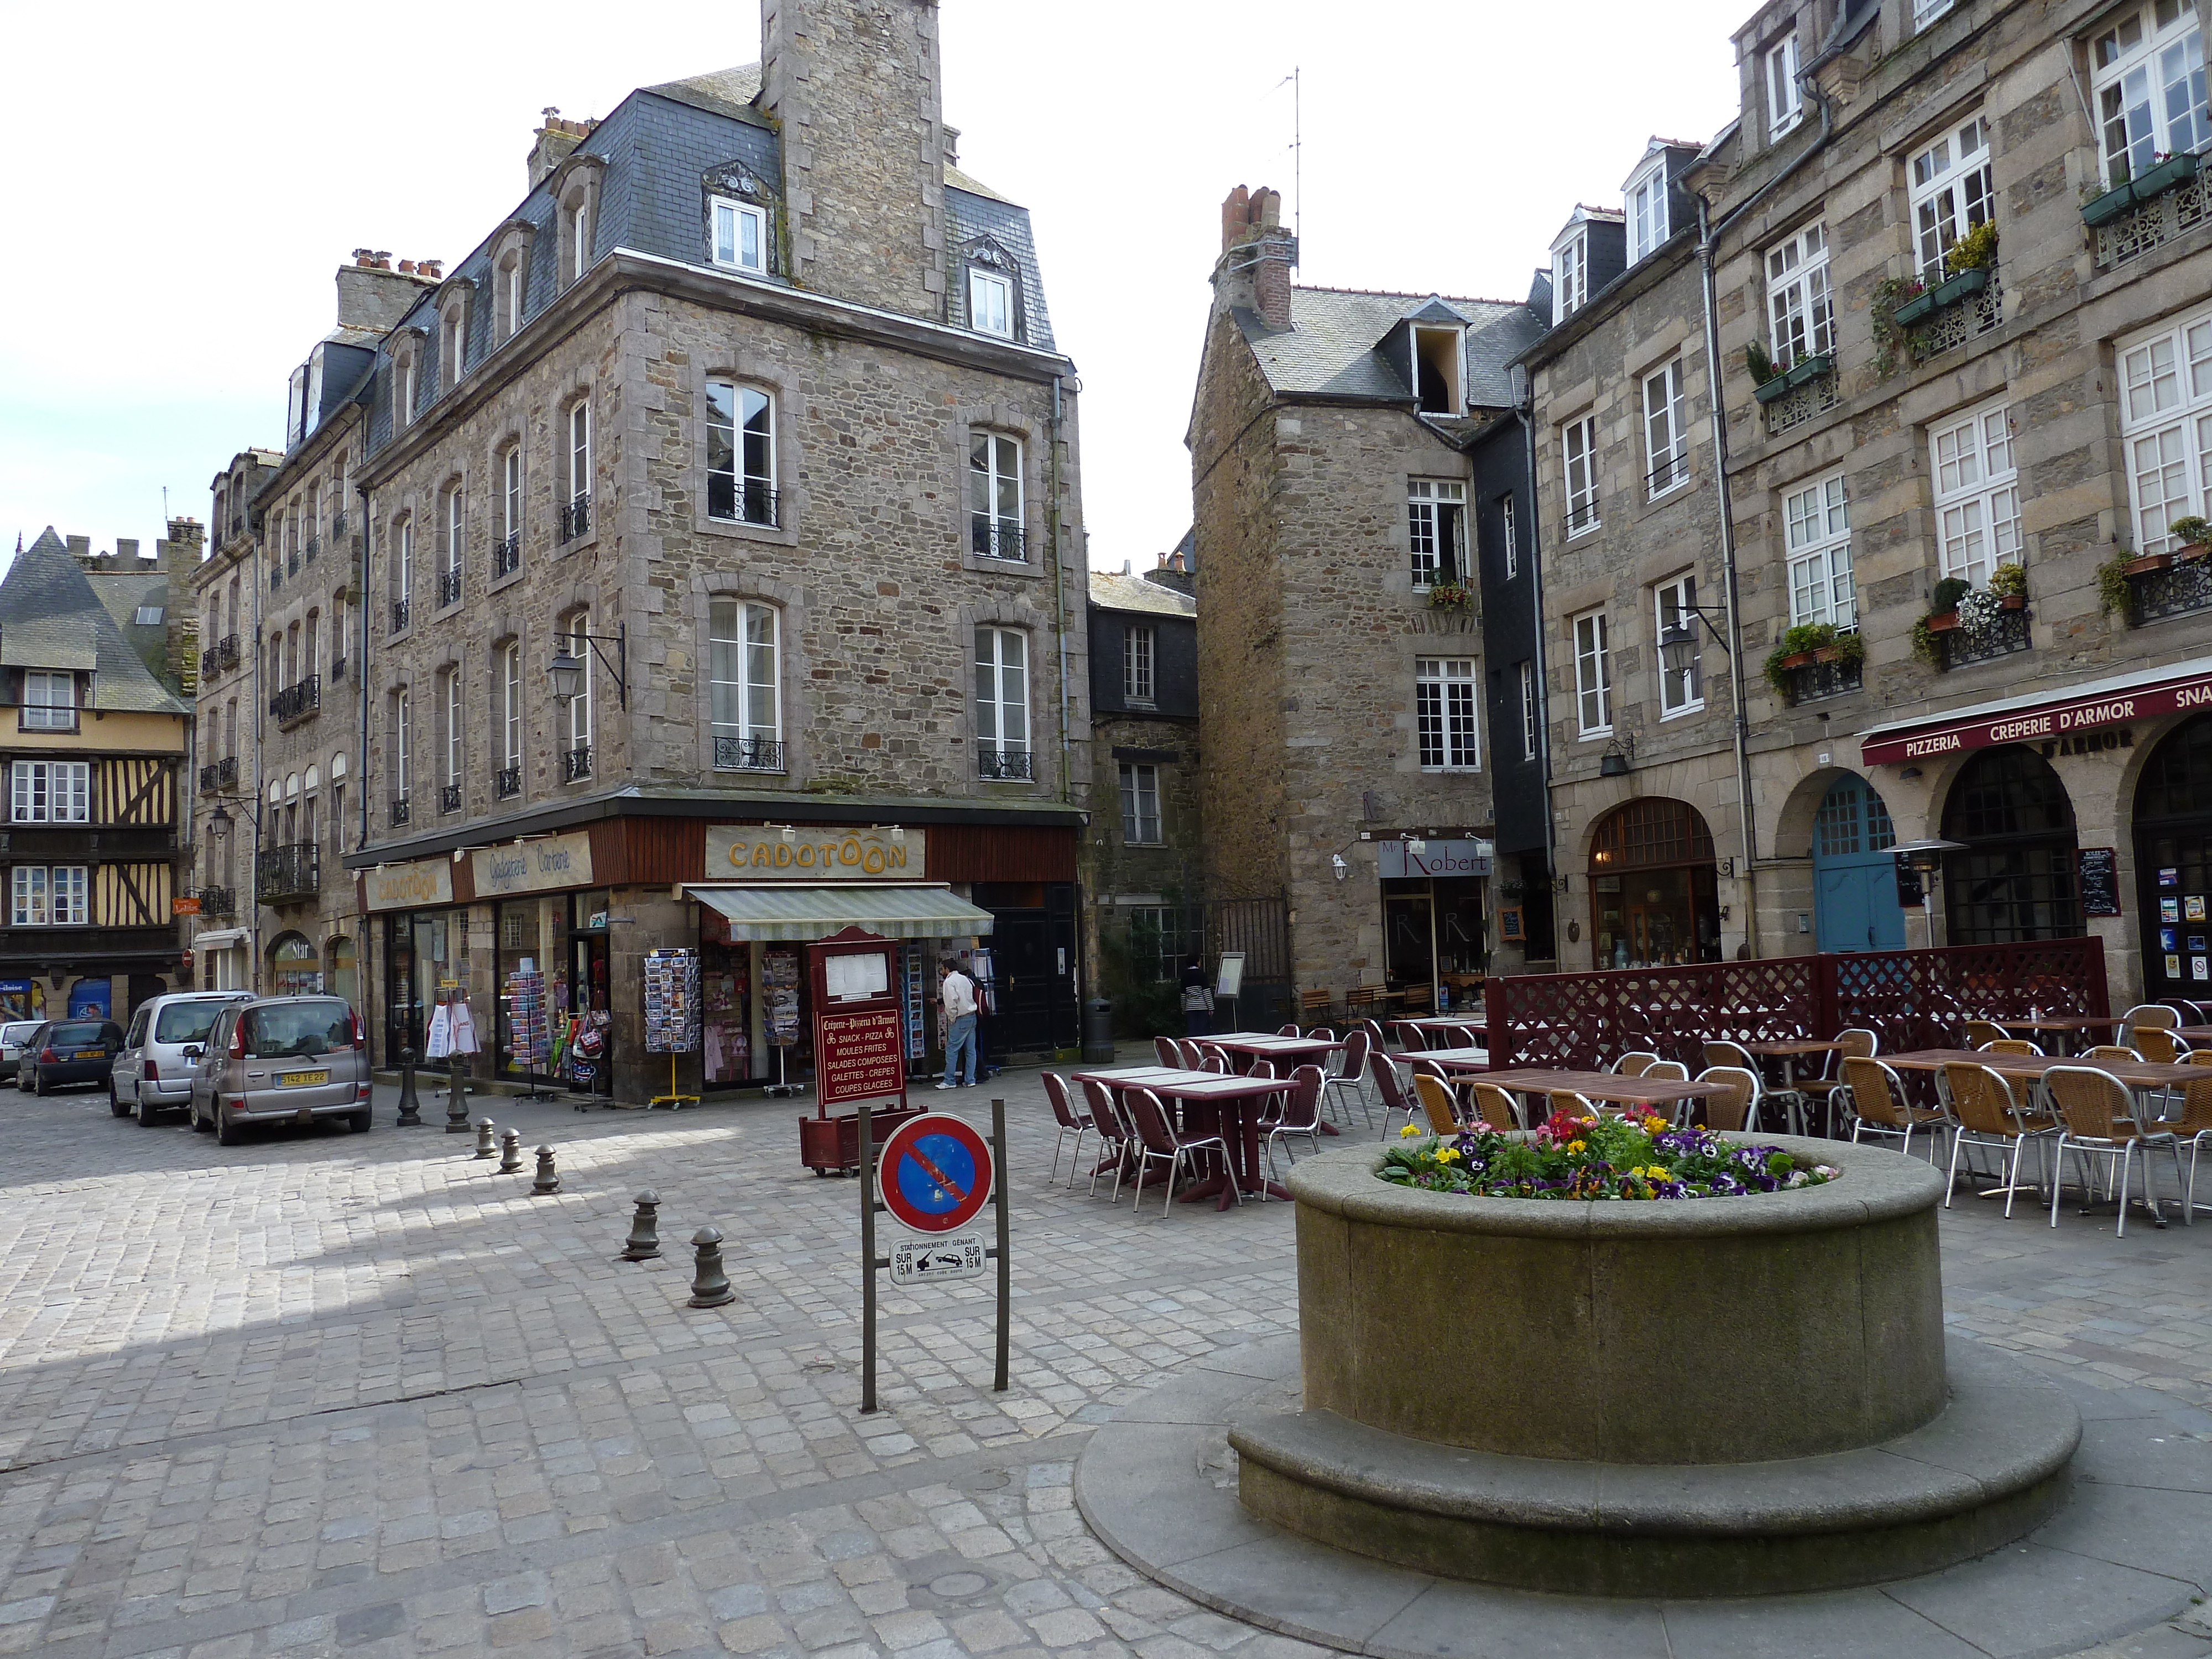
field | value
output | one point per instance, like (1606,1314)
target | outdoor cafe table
(2139,1075)
(2071,1027)
(1447,1025)
(1607,1086)
(1290,1051)
(2195,1033)
(1235,1100)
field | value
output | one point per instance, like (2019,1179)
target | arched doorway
(1653,887)
(294,968)
(2173,862)
(344,976)
(1855,904)
(2015,880)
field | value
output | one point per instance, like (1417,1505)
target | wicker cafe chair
(1719,1051)
(1668,1071)
(1301,1115)
(2156,1043)
(2193,1125)
(1496,1108)
(1735,1111)
(1980,1033)
(2152,1013)
(2111,1051)
(1879,1106)
(2098,1119)
(1437,1104)
(1567,1106)
(1157,1142)
(1397,1094)
(2011,1045)
(1106,1118)
(1166,1052)
(1635,1063)
(1859,1043)
(1984,1113)
(1056,1091)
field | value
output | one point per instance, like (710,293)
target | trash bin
(1098,1032)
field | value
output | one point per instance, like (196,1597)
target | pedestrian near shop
(956,997)
(1197,999)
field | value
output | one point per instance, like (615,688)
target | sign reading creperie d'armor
(2050,723)
(815,853)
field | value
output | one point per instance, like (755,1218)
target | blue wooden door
(1855,904)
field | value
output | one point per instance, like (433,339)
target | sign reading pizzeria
(2065,728)
(858,1056)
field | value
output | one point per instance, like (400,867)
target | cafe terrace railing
(1909,998)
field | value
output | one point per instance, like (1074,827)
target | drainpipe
(1709,235)
(1059,592)
(360,654)
(1543,679)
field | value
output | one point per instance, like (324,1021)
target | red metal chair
(1056,1091)
(1301,1115)
(1350,1072)
(1169,1055)
(1157,1141)
(1106,1119)
(1395,1097)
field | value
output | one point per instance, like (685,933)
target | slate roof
(1112,591)
(48,610)
(1329,348)
(720,92)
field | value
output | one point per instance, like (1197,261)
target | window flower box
(1809,368)
(2143,563)
(2103,210)
(1956,290)
(1771,388)
(2012,601)
(1799,659)
(2169,174)
(1917,309)
(1942,622)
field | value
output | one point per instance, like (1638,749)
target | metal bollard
(457,1105)
(411,1110)
(710,1285)
(549,1178)
(510,1152)
(487,1142)
(643,1243)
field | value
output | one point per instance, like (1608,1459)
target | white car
(13,1036)
(153,1073)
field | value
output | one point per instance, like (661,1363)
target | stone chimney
(370,295)
(1253,273)
(553,143)
(180,553)
(853,85)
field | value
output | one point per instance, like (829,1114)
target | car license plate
(301,1080)
(90,1054)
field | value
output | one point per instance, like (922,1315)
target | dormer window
(1785,101)
(1646,201)
(49,700)
(990,303)
(1437,371)
(741,235)
(579,235)
(1569,275)
(453,342)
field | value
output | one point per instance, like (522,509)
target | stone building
(94,754)
(1965,459)
(1339,640)
(1145,847)
(726,578)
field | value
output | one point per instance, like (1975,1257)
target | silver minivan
(281,1060)
(152,1074)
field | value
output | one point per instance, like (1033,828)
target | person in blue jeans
(956,995)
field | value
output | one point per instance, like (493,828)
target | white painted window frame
(1140,804)
(2166,425)
(1951,190)
(1578,461)
(1800,310)
(1447,713)
(1817,535)
(735,216)
(2133,83)
(1970,457)
(1666,430)
(1592,674)
(1672,603)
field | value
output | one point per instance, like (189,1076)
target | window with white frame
(2166,425)
(1817,526)
(1593,675)
(1925,12)
(1512,538)
(1444,691)
(403,564)
(404,413)
(577,644)
(1578,450)
(455,540)
(2146,74)
(1002,702)
(1666,434)
(403,725)
(510,289)
(740,454)
(453,345)
(1977,493)
(1785,99)
(510,709)
(748,700)
(1139,647)
(1673,603)
(1570,276)
(740,236)
(1530,721)
(50,896)
(1797,296)
(51,792)
(510,469)
(49,700)
(579,235)
(990,303)
(1140,804)
(454,728)
(1952,193)
(994,496)
(1646,196)
(1435,526)
(580,452)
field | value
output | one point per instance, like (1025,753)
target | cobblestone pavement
(326,1393)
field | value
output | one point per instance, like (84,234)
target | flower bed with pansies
(1623,1157)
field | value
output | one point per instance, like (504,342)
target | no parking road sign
(936,1174)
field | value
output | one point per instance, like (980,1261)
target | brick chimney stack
(553,143)
(1253,273)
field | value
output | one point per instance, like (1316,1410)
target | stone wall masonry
(1171,868)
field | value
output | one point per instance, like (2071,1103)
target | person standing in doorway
(1197,1000)
(955,994)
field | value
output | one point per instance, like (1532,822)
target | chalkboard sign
(2100,881)
(1910,892)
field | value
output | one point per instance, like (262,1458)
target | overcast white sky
(192,175)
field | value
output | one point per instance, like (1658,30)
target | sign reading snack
(532,867)
(409,886)
(814,853)
(858,1057)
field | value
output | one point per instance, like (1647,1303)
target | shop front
(1653,886)
(423,933)
(1435,919)
(2173,863)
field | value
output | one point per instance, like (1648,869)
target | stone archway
(1653,886)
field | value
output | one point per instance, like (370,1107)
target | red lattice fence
(1911,999)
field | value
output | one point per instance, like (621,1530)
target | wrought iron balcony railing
(400,614)
(1817,680)
(576,764)
(225,773)
(1004,765)
(2175,591)
(576,519)
(208,776)
(218,902)
(1665,476)
(449,797)
(308,553)
(507,554)
(510,782)
(750,754)
(337,525)
(290,872)
(449,587)
(1581,518)
(997,538)
(295,703)
(2008,635)
(741,501)
(222,655)
(292,563)
(400,812)
(338,669)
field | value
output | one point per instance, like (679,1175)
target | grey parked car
(13,1036)
(281,1059)
(152,1075)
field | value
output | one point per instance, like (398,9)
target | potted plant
(1768,380)
(1943,604)
(2113,592)
(2167,172)
(1975,617)
(2194,534)
(1799,648)
(1969,261)
(1809,368)
(2101,209)
(1925,645)
(2008,581)
(1450,595)
(1845,649)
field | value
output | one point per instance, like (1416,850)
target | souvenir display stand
(671,1014)
(859,1047)
(529,1029)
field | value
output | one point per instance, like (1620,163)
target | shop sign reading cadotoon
(815,853)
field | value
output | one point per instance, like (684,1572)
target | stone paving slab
(325,1394)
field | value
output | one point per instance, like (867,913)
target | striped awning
(779,912)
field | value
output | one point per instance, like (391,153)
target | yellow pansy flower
(1409,1129)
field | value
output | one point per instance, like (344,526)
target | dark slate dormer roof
(1112,591)
(51,617)
(1330,348)
(730,92)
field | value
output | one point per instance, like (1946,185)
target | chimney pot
(406,267)
(431,268)
(1234,217)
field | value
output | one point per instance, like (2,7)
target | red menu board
(858,1056)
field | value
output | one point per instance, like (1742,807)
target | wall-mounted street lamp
(1614,763)
(567,671)
(218,823)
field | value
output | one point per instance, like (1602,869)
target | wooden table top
(2136,1074)
(2054,1022)
(1442,1022)
(1472,1060)
(1786,1048)
(1170,1085)
(1604,1086)
(2195,1033)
